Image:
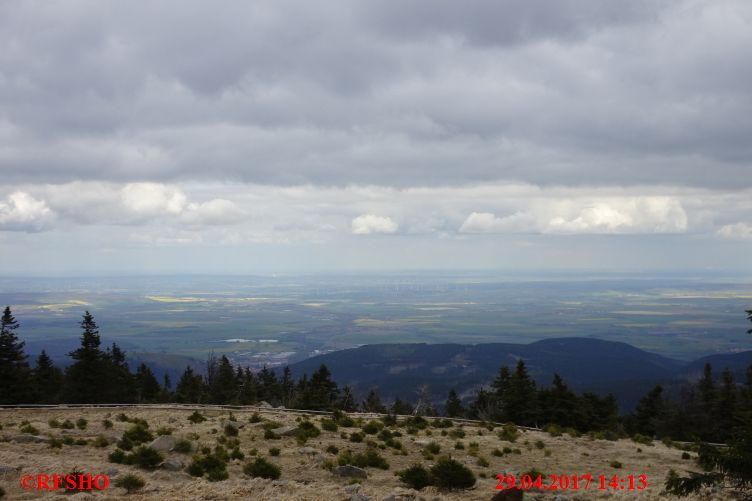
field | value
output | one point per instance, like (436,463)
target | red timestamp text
(572,482)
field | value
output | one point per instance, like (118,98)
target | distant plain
(279,319)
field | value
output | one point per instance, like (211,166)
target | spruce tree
(521,404)
(15,387)
(147,386)
(86,380)
(190,388)
(402,408)
(121,387)
(47,380)
(323,391)
(453,407)
(372,403)
(347,401)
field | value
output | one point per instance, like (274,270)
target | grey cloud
(571,93)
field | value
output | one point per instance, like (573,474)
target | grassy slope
(306,479)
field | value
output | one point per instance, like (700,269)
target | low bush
(451,474)
(433,448)
(263,469)
(356,437)
(230,430)
(372,427)
(369,458)
(642,439)
(196,417)
(212,465)
(416,477)
(131,483)
(117,456)
(101,441)
(274,451)
(138,434)
(81,423)
(306,430)
(27,428)
(509,433)
(107,424)
(53,423)
(183,446)
(329,425)
(615,464)
(457,433)
(332,449)
(145,458)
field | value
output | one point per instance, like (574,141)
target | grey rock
(5,469)
(163,443)
(350,471)
(359,497)
(320,458)
(112,472)
(172,465)
(285,431)
(280,407)
(352,488)
(27,438)
(307,450)
(280,483)
(508,495)
(265,405)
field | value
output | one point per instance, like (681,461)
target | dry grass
(304,478)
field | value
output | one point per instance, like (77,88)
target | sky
(240,137)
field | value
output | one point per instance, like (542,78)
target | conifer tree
(248,388)
(121,387)
(46,380)
(649,412)
(347,401)
(400,407)
(372,403)
(453,407)
(190,387)
(323,391)
(15,385)
(147,386)
(86,379)
(521,403)
(288,387)
(559,404)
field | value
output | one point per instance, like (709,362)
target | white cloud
(152,199)
(572,215)
(624,215)
(366,224)
(22,212)
(740,231)
(486,222)
(212,213)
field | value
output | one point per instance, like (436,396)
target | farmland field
(277,319)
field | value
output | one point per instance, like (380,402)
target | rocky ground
(308,470)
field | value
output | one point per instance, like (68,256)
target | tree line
(713,409)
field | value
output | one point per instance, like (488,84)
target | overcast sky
(279,135)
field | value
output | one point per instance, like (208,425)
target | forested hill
(586,364)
